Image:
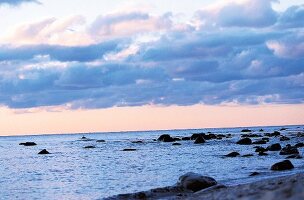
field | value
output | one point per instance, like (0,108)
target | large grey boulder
(195,182)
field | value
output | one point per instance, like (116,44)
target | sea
(71,171)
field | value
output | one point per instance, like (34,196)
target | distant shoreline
(131,131)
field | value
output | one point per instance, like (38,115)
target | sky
(70,66)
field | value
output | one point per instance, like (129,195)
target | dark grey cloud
(61,53)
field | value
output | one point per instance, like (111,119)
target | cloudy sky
(99,65)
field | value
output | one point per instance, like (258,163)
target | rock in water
(28,143)
(232,154)
(284,165)
(129,150)
(274,147)
(299,145)
(44,151)
(176,144)
(245,130)
(89,147)
(244,141)
(165,138)
(284,138)
(100,141)
(288,150)
(199,140)
(254,174)
(196,182)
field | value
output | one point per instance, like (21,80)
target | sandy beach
(280,188)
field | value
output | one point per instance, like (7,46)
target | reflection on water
(73,172)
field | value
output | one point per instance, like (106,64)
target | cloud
(293,17)
(66,31)
(239,13)
(135,59)
(17,2)
(60,53)
(128,24)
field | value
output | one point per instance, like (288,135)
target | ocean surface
(73,172)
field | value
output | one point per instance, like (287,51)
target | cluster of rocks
(198,138)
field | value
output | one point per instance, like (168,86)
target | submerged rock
(244,141)
(295,156)
(261,153)
(259,142)
(232,154)
(299,145)
(196,182)
(165,138)
(194,136)
(260,149)
(199,140)
(289,150)
(284,138)
(129,150)
(284,165)
(28,143)
(137,142)
(254,174)
(274,147)
(186,138)
(44,151)
(89,147)
(246,130)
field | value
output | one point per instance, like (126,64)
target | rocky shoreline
(281,188)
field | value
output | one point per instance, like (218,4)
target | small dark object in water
(165,138)
(100,141)
(295,156)
(259,142)
(260,149)
(284,165)
(283,129)
(232,154)
(261,153)
(83,137)
(199,140)
(129,150)
(44,151)
(254,174)
(284,138)
(89,147)
(194,136)
(261,130)
(244,141)
(28,143)
(299,145)
(289,150)
(176,144)
(186,138)
(274,147)
(246,130)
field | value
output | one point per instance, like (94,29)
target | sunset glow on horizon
(97,66)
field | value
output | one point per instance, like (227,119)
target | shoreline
(289,187)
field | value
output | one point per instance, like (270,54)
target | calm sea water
(73,172)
